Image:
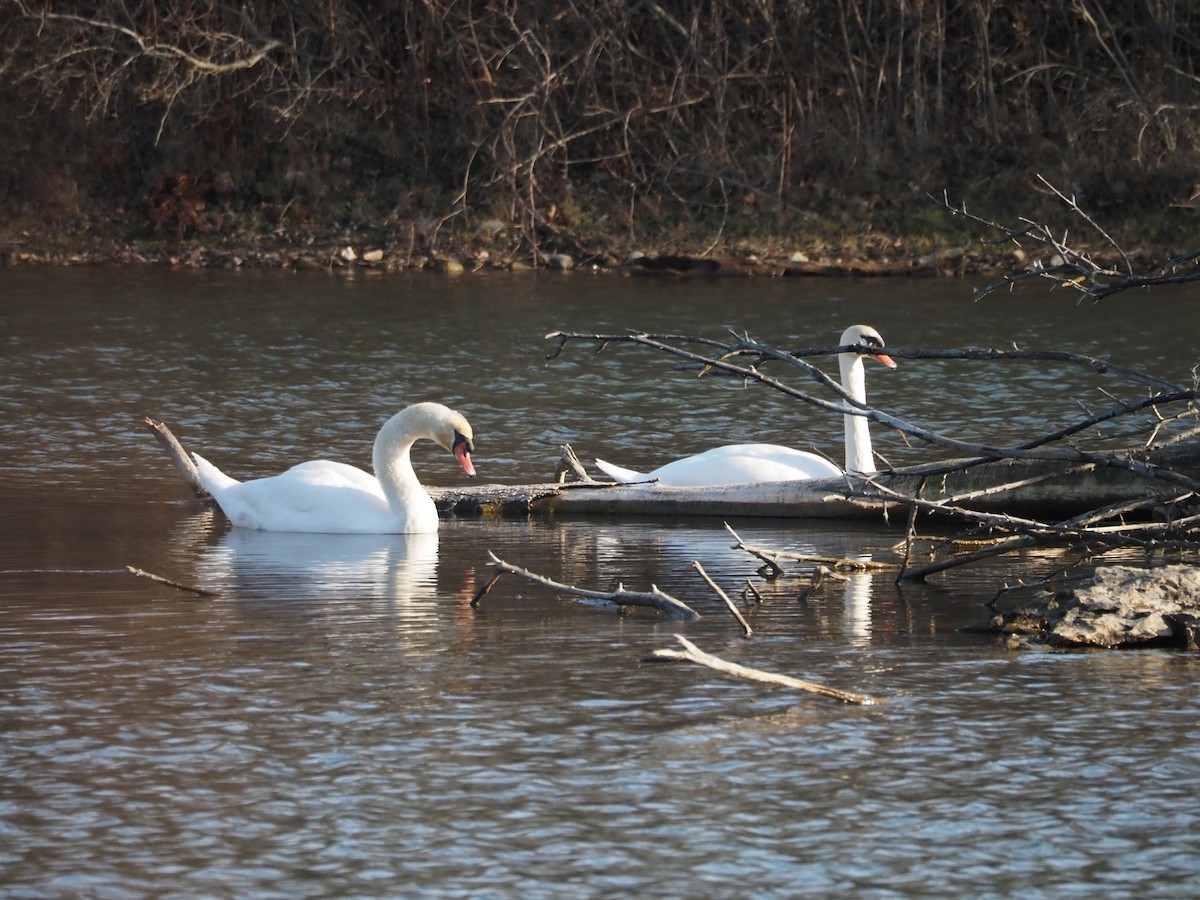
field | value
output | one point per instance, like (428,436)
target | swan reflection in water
(856,603)
(397,568)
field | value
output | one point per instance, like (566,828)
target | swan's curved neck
(858,434)
(391,457)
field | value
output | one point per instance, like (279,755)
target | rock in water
(1119,606)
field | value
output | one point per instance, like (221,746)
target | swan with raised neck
(758,463)
(336,498)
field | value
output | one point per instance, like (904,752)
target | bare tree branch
(245,57)
(737,614)
(1169,517)
(1066,267)
(1033,450)
(692,653)
(654,598)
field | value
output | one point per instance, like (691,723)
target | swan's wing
(322,472)
(811,465)
(311,497)
(743,464)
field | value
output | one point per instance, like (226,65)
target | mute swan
(335,498)
(754,463)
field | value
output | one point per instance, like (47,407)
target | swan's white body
(732,464)
(757,463)
(336,498)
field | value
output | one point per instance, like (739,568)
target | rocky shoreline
(379,254)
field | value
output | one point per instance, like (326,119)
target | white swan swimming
(756,463)
(336,498)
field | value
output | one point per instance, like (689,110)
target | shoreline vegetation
(632,136)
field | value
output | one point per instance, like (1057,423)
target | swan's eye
(460,439)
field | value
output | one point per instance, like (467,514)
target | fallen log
(1031,488)
(1079,501)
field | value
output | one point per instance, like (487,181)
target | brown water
(339,722)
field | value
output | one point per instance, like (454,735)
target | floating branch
(815,582)
(725,597)
(128,570)
(750,592)
(771,557)
(179,586)
(1177,532)
(692,653)
(654,598)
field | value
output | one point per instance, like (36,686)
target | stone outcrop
(1119,606)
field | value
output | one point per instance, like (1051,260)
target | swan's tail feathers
(213,479)
(619,474)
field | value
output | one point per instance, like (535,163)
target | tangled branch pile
(1157,504)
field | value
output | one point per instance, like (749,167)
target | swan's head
(459,440)
(444,426)
(867,342)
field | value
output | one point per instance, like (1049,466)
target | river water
(338,721)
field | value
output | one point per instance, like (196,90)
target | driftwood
(751,593)
(815,582)
(178,455)
(692,653)
(653,599)
(569,462)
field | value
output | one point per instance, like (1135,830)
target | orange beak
(462,452)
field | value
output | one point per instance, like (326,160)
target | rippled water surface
(338,721)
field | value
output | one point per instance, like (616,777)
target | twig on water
(653,599)
(772,557)
(692,653)
(720,593)
(750,592)
(127,570)
(179,586)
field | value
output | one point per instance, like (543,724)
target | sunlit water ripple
(340,722)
